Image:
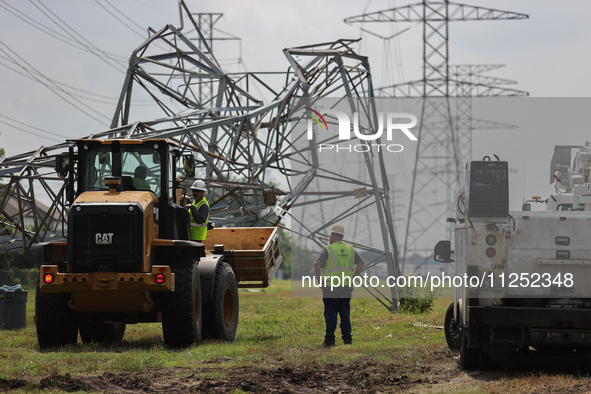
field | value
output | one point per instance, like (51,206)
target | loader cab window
(98,166)
(564,207)
(140,169)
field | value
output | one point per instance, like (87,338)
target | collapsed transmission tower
(438,163)
(257,163)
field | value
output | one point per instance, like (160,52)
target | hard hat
(198,185)
(338,229)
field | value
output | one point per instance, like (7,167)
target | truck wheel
(56,322)
(469,358)
(452,329)
(181,308)
(221,313)
(95,330)
(488,363)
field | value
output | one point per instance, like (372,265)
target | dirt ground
(354,377)
(331,378)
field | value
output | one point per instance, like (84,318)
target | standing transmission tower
(469,82)
(206,22)
(438,159)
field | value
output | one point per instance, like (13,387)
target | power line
(148,5)
(49,31)
(30,132)
(99,98)
(142,32)
(32,127)
(112,100)
(53,89)
(118,19)
(104,56)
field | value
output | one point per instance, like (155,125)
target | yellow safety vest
(140,184)
(199,231)
(341,262)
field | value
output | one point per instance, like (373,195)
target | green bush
(415,300)
(415,305)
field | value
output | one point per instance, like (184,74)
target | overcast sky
(546,54)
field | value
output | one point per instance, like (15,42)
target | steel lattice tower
(438,160)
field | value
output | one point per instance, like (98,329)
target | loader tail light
(160,279)
(48,278)
(491,252)
(491,240)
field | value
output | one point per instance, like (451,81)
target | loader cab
(132,165)
(140,165)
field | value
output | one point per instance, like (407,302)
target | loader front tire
(181,308)
(221,312)
(56,322)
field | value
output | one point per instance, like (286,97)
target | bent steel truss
(254,163)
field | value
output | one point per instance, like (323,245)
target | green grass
(274,328)
(277,331)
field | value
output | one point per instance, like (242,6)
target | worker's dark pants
(332,307)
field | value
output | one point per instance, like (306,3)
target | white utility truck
(525,276)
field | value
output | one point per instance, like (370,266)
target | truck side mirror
(526,207)
(443,252)
(189,165)
(62,164)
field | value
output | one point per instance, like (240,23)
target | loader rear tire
(56,322)
(93,329)
(181,308)
(453,336)
(221,312)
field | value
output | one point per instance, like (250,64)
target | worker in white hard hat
(341,260)
(199,211)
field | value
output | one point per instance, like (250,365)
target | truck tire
(488,363)
(95,330)
(469,358)
(221,313)
(56,322)
(181,308)
(452,329)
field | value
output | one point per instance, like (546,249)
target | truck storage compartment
(551,251)
(253,252)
